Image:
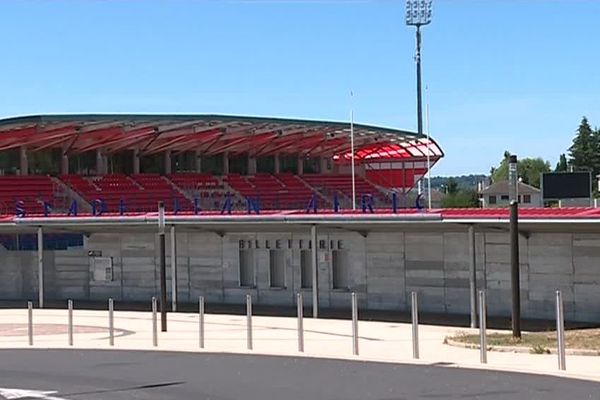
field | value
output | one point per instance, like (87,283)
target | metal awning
(209,135)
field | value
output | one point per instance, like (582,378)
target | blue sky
(500,74)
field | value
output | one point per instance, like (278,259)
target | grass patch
(538,342)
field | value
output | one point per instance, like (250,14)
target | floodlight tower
(418,13)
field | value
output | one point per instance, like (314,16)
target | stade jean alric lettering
(78,209)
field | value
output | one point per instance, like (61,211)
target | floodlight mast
(418,13)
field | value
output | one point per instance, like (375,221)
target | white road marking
(12,394)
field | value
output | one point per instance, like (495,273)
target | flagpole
(428,163)
(352,149)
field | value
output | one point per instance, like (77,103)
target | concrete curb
(521,349)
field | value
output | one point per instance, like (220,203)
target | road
(147,375)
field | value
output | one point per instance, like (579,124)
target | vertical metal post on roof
(40,256)
(136,160)
(198,157)
(23,161)
(315,270)
(403,184)
(352,152)
(472,276)
(168,163)
(64,164)
(277,162)
(99,170)
(173,269)
(428,159)
(225,163)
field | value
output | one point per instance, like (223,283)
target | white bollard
(111,322)
(30,322)
(415,324)
(154,323)
(201,322)
(354,324)
(70,327)
(249,321)
(560,331)
(300,307)
(482,328)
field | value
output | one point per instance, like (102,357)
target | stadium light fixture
(418,13)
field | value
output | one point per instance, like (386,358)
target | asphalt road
(111,375)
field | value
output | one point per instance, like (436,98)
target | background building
(496,195)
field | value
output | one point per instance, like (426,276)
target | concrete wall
(383,268)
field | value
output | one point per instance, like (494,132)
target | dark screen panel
(566,185)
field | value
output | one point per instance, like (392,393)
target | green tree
(562,165)
(531,169)
(451,186)
(466,198)
(584,152)
(528,169)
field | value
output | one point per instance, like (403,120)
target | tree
(466,198)
(528,169)
(562,165)
(584,152)
(451,186)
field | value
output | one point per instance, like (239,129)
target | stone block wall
(383,267)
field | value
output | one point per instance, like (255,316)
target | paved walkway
(326,338)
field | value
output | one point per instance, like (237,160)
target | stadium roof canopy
(210,135)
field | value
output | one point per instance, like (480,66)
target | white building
(497,195)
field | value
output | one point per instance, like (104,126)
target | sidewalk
(331,338)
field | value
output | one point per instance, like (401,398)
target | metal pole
(249,321)
(514,270)
(472,276)
(482,328)
(30,322)
(300,305)
(560,331)
(315,270)
(40,251)
(163,267)
(354,325)
(70,326)
(415,324)
(201,322)
(428,162)
(352,155)
(173,269)
(419,101)
(111,322)
(154,324)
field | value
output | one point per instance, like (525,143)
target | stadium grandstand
(128,163)
(78,219)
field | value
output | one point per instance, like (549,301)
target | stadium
(267,207)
